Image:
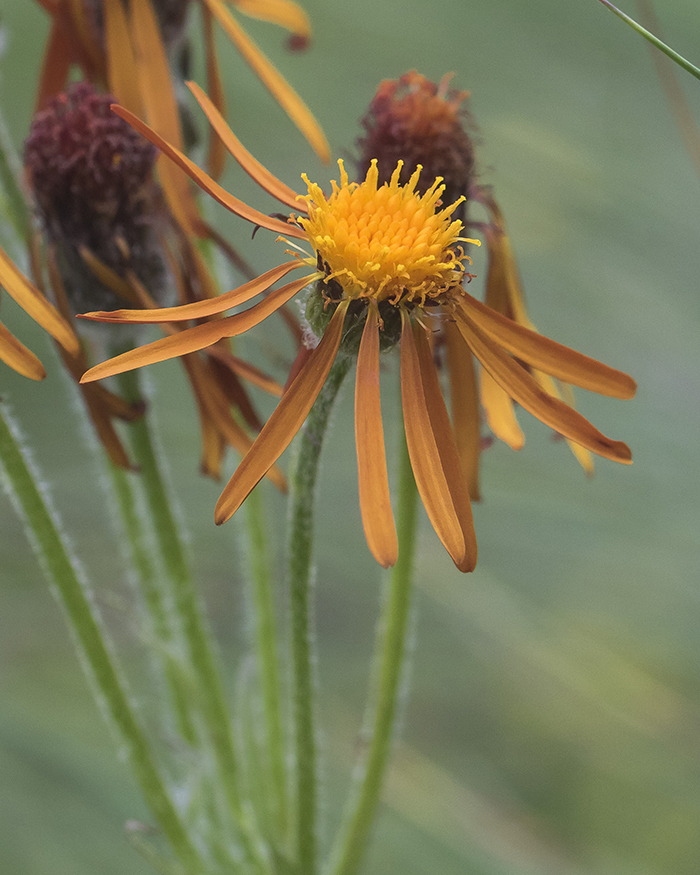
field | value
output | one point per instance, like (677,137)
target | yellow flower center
(387,242)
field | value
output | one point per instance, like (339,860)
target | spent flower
(386,262)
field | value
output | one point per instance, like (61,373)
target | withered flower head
(413,120)
(91,175)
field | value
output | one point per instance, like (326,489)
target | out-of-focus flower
(124,49)
(387,268)
(12,351)
(110,239)
(426,124)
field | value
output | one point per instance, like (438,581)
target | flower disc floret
(386,242)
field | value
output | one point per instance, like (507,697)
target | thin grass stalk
(303,488)
(388,670)
(208,683)
(267,658)
(83,619)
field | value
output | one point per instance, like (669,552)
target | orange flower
(387,265)
(14,353)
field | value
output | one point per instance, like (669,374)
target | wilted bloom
(386,265)
(427,124)
(110,240)
(12,351)
(126,48)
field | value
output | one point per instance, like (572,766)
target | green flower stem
(301,538)
(162,628)
(655,41)
(187,610)
(387,673)
(267,657)
(85,625)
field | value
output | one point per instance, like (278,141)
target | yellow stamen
(387,242)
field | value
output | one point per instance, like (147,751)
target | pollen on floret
(388,241)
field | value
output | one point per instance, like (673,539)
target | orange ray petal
(499,410)
(205,182)
(375,499)
(523,389)
(464,398)
(194,339)
(504,290)
(582,455)
(423,451)
(246,370)
(251,165)
(161,109)
(547,355)
(276,84)
(55,65)
(446,445)
(18,357)
(285,422)
(216,157)
(283,12)
(198,309)
(35,304)
(122,71)
(215,404)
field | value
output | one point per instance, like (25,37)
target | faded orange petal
(122,73)
(205,182)
(582,455)
(446,445)
(547,355)
(283,12)
(375,499)
(251,165)
(246,370)
(423,451)
(285,422)
(464,401)
(161,110)
(276,84)
(55,65)
(18,357)
(216,158)
(525,390)
(194,339)
(35,304)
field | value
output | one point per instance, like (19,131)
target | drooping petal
(246,370)
(582,455)
(216,157)
(55,65)
(285,421)
(205,182)
(447,447)
(251,165)
(196,309)
(500,411)
(280,89)
(504,290)
(283,12)
(194,339)
(107,276)
(547,355)
(35,304)
(525,390)
(216,406)
(464,401)
(161,109)
(122,72)
(424,454)
(375,499)
(18,357)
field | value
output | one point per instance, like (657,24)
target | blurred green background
(554,721)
